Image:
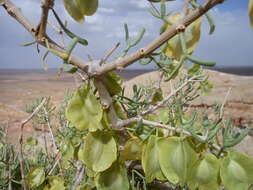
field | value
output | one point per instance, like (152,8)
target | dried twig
(56,162)
(50,128)
(79,175)
(45,140)
(21,157)
(224,103)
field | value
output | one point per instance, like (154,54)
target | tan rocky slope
(239,102)
(20,88)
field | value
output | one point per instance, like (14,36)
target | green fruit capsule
(237,171)
(87,7)
(73,10)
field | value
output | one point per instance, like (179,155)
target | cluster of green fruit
(78,9)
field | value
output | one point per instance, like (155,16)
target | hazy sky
(230,45)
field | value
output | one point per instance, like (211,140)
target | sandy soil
(18,88)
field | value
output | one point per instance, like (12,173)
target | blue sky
(230,45)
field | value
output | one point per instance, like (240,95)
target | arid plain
(20,87)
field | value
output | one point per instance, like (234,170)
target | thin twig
(56,162)
(122,123)
(50,128)
(109,54)
(224,103)
(21,156)
(45,140)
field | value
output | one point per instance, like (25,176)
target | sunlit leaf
(73,10)
(164,116)
(194,70)
(192,36)
(85,187)
(87,7)
(237,171)
(36,177)
(31,141)
(204,173)
(100,151)
(157,96)
(1,145)
(113,82)
(132,149)
(176,157)
(206,87)
(150,160)
(119,111)
(113,178)
(84,111)
(67,151)
(55,183)
(251,12)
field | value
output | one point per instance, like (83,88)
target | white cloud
(106,10)
(140,3)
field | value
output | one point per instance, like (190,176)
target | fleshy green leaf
(73,10)
(55,183)
(164,116)
(84,111)
(87,7)
(192,36)
(119,111)
(206,87)
(237,171)
(100,151)
(204,173)
(67,151)
(157,96)
(176,158)
(36,177)
(31,141)
(194,70)
(150,160)
(132,149)
(113,178)
(251,12)
(113,82)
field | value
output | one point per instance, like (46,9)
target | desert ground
(20,87)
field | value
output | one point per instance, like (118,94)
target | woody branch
(124,61)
